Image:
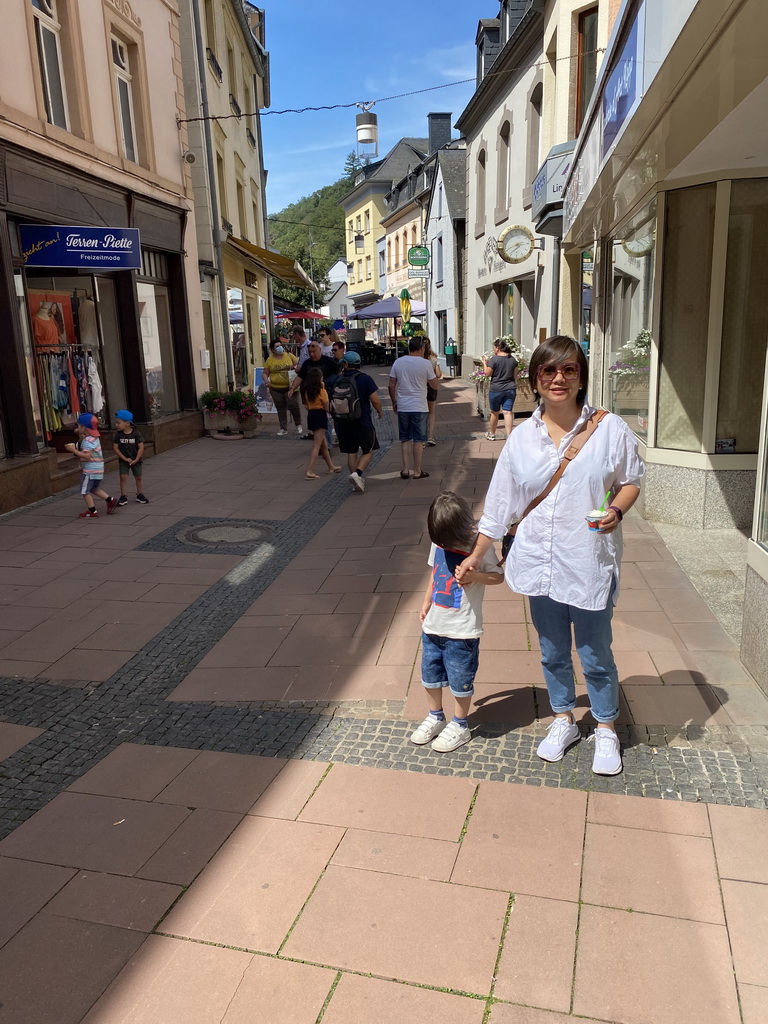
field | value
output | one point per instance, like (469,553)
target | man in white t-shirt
(408,380)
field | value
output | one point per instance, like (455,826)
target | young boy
(128,445)
(452,621)
(88,450)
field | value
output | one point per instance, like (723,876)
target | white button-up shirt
(555,554)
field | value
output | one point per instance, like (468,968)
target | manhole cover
(224,534)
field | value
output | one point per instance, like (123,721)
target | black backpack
(345,404)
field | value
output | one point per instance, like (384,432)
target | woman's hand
(609,522)
(470,564)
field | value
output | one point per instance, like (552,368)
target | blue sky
(333,51)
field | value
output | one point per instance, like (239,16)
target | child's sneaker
(111,505)
(122,500)
(452,737)
(429,728)
(560,735)
(142,499)
(90,513)
(282,433)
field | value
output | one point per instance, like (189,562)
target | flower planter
(227,423)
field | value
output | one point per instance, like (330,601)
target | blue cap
(89,422)
(351,358)
(125,415)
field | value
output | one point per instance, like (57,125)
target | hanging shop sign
(418,256)
(56,245)
(412,272)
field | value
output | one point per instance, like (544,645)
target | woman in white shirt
(569,572)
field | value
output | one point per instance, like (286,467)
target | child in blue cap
(88,451)
(128,445)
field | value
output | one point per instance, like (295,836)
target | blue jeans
(446,661)
(592,631)
(412,426)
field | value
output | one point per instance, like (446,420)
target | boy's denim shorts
(449,662)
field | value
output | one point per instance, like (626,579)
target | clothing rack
(68,382)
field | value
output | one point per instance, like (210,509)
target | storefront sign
(418,256)
(45,245)
(621,90)
(413,272)
(548,186)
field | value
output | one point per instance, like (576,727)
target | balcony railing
(235,107)
(215,66)
(251,138)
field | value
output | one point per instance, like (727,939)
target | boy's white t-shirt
(456,611)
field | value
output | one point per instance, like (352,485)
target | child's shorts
(449,662)
(126,470)
(90,483)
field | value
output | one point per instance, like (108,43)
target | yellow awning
(273,263)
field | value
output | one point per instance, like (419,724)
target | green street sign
(418,256)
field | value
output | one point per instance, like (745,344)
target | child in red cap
(88,450)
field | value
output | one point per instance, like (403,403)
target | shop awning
(273,263)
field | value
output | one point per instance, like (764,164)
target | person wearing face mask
(277,376)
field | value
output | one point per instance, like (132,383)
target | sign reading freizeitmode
(54,245)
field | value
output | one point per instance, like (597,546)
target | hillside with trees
(317,219)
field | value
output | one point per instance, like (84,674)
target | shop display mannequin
(45,329)
(86,319)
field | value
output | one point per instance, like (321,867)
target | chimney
(439,131)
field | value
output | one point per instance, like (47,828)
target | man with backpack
(353,395)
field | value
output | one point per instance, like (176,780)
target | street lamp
(359,242)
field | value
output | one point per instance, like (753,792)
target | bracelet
(617,510)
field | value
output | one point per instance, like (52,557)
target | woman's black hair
(275,342)
(451,523)
(313,383)
(560,348)
(502,346)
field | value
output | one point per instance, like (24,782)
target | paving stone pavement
(84,721)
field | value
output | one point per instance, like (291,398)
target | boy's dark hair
(558,349)
(313,383)
(415,345)
(451,523)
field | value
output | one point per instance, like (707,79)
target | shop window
(48,40)
(745,318)
(441,320)
(439,260)
(157,341)
(688,234)
(586,74)
(121,66)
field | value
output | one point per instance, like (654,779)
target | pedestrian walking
(567,565)
(452,621)
(316,359)
(502,390)
(277,376)
(353,397)
(88,450)
(128,445)
(432,393)
(316,401)
(408,380)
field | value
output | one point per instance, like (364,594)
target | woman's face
(559,383)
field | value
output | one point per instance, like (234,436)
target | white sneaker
(282,433)
(428,729)
(452,737)
(560,735)
(299,430)
(357,481)
(607,759)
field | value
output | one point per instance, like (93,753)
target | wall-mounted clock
(515,243)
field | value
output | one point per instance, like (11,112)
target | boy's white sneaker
(428,729)
(282,433)
(452,737)
(357,481)
(560,735)
(607,759)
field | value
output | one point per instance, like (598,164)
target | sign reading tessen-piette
(56,245)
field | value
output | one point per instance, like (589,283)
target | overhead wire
(386,99)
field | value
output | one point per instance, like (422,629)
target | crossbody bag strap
(569,455)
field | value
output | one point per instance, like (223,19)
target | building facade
(666,202)
(445,237)
(90,140)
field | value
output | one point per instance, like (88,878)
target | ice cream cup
(594,518)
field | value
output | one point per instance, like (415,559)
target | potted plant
(230,412)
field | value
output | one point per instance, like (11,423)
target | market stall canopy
(386,307)
(300,315)
(273,263)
